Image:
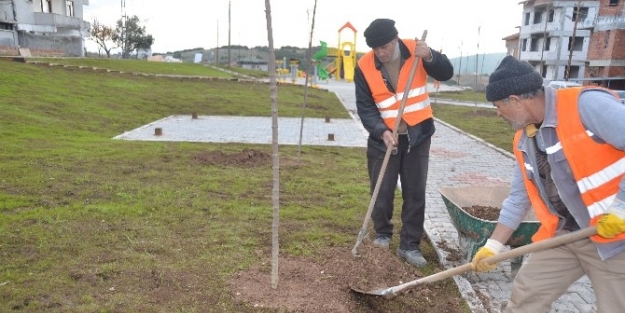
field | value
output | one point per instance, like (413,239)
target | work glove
(613,222)
(491,248)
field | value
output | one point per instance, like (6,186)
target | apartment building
(51,25)
(575,40)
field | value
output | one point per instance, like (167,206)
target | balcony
(59,21)
(610,22)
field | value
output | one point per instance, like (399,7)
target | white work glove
(491,248)
(612,223)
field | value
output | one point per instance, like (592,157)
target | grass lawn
(464,95)
(90,224)
(139,66)
(480,122)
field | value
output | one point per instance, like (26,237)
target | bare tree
(103,36)
(308,70)
(275,195)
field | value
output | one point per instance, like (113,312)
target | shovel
(389,149)
(392,292)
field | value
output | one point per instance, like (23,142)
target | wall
(72,46)
(7,38)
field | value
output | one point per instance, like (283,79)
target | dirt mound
(247,157)
(324,284)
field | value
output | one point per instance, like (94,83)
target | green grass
(139,66)
(91,224)
(480,122)
(464,95)
(248,72)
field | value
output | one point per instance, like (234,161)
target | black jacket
(439,68)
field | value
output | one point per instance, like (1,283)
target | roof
(511,37)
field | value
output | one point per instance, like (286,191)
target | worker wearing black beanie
(393,68)
(380,32)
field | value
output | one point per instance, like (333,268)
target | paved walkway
(457,159)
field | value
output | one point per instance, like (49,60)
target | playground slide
(322,53)
(348,67)
(322,73)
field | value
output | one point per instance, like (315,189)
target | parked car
(621,94)
(557,84)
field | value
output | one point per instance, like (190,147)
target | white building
(548,31)
(575,40)
(44,25)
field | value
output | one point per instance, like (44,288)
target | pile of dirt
(487,213)
(247,157)
(327,283)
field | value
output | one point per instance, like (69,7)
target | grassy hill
(91,224)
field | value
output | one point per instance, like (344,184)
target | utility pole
(477,58)
(217,50)
(542,51)
(559,47)
(124,44)
(460,65)
(229,29)
(572,45)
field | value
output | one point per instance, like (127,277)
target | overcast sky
(452,25)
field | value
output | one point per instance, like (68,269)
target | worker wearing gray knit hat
(512,77)
(570,169)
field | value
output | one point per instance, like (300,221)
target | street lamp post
(568,67)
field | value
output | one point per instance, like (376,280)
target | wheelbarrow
(474,231)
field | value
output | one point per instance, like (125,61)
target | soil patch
(487,213)
(324,284)
(247,157)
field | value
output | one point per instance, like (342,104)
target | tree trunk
(275,195)
(308,70)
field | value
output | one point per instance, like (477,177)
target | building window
(534,44)
(613,2)
(574,72)
(578,43)
(46,6)
(526,21)
(524,45)
(6,26)
(581,11)
(69,8)
(606,40)
(538,16)
(547,43)
(550,18)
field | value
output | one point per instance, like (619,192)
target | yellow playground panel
(345,57)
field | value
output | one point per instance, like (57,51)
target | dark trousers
(411,165)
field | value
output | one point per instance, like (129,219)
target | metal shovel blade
(387,293)
(392,292)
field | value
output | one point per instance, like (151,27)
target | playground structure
(342,67)
(345,60)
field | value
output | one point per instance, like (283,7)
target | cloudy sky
(452,25)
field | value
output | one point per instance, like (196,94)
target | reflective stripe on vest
(417,106)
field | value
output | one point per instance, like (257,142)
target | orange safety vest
(417,108)
(597,168)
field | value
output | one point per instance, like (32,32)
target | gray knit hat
(380,32)
(512,77)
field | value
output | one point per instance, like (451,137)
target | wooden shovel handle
(510,254)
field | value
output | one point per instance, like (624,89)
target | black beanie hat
(512,77)
(380,32)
